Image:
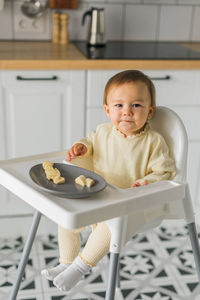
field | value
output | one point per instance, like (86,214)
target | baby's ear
(107,110)
(152,110)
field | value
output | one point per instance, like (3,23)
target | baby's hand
(136,184)
(76,150)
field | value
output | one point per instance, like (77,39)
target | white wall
(154,20)
(143,19)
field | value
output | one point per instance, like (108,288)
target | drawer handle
(36,78)
(167,77)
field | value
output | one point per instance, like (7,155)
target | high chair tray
(69,189)
(109,203)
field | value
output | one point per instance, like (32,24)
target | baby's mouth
(127,121)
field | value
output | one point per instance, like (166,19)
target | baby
(127,153)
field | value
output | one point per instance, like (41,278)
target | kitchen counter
(16,55)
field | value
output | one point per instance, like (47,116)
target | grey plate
(69,189)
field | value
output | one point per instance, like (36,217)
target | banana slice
(89,182)
(81,180)
(52,173)
(47,164)
(58,180)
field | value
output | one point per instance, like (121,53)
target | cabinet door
(3,192)
(42,115)
(177,87)
(181,92)
(2,122)
(44,112)
(178,90)
(96,81)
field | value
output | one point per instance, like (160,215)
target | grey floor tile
(158,265)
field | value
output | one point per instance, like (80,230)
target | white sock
(51,273)
(72,275)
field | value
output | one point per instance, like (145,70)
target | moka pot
(96,26)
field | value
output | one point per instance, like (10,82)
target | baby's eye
(118,105)
(136,105)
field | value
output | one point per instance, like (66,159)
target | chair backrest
(169,124)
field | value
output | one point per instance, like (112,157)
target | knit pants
(96,248)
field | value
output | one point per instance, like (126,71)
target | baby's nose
(128,110)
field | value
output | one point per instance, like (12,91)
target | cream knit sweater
(122,160)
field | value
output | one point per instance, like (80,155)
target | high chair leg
(112,276)
(195,245)
(118,275)
(25,254)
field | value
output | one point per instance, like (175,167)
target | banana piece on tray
(89,182)
(83,181)
(52,173)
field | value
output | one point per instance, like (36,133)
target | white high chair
(126,211)
(151,213)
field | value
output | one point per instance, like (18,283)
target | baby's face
(129,107)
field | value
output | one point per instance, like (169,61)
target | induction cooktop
(137,50)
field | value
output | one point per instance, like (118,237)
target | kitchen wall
(124,19)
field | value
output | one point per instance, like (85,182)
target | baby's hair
(131,76)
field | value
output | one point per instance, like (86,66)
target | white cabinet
(41,111)
(2,131)
(3,192)
(176,89)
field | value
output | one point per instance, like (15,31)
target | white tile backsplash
(166,20)
(175,23)
(160,1)
(76,30)
(30,28)
(113,22)
(189,2)
(6,28)
(196,24)
(125,1)
(140,22)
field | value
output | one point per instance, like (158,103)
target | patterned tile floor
(157,265)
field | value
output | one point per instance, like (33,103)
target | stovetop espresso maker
(96,32)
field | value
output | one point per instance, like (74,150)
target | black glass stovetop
(137,50)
